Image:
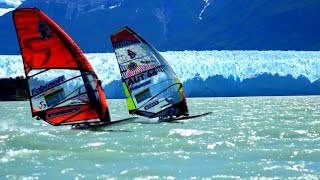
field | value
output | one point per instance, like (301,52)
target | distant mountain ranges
(181,25)
(264,84)
(4,5)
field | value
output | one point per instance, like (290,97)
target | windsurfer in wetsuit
(106,114)
(178,109)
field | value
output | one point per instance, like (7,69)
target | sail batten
(63,87)
(151,87)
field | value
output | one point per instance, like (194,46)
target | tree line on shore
(13,89)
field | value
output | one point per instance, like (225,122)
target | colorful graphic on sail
(63,87)
(151,87)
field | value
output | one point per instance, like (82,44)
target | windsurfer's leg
(86,124)
(182,109)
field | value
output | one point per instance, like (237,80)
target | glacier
(214,73)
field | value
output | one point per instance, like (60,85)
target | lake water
(247,137)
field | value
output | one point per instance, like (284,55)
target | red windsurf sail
(63,87)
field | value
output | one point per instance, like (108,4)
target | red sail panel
(124,37)
(44,44)
(71,114)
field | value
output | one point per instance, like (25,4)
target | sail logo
(43,30)
(42,105)
(64,111)
(131,54)
(38,97)
(151,105)
(148,61)
(132,66)
(139,85)
(47,86)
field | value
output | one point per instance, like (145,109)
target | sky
(11,3)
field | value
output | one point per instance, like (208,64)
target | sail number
(155,71)
(144,76)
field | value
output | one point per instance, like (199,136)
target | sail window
(143,95)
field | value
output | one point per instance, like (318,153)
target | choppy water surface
(248,137)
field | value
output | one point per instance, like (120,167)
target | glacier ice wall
(215,73)
(203,64)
